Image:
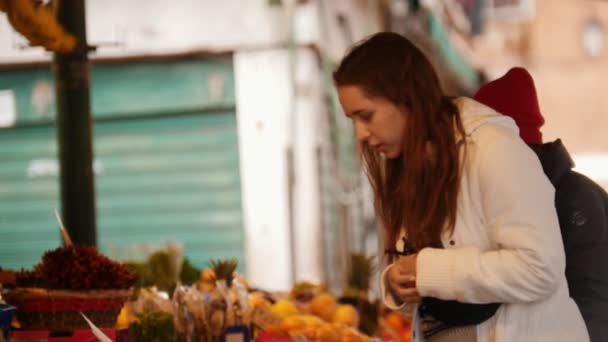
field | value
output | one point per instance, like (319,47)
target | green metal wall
(166,162)
(128,89)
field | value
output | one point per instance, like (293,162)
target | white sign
(8,108)
(50,168)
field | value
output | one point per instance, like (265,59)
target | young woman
(463,201)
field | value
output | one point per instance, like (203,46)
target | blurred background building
(216,124)
(563,45)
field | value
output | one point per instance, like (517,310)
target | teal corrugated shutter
(171,179)
(158,179)
(135,89)
(166,163)
(29,192)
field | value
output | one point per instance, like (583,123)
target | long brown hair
(418,190)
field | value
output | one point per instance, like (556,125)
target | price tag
(238,333)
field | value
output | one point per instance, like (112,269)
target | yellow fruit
(346,314)
(127,316)
(121,321)
(323,306)
(284,308)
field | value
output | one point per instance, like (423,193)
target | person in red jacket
(582,205)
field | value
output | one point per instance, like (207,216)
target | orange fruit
(326,333)
(349,336)
(292,323)
(395,321)
(208,275)
(321,303)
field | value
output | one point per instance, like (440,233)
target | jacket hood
(475,115)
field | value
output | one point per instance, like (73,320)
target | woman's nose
(361,132)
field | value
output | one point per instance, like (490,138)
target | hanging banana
(37,22)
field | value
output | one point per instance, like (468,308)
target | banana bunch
(37,22)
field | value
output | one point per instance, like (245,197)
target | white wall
(307,121)
(265,113)
(263,97)
(144,27)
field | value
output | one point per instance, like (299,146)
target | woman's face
(378,122)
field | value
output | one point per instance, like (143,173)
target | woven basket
(59,310)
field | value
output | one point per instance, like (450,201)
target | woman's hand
(402,279)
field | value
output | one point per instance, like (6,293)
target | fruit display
(310,313)
(221,300)
(68,281)
(185,304)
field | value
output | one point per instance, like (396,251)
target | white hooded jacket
(506,246)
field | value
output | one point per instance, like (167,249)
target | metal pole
(74,128)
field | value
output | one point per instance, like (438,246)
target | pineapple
(362,268)
(304,291)
(359,275)
(224,269)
